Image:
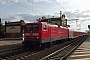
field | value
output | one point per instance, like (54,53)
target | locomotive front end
(32,34)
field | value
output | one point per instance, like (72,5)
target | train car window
(44,27)
(28,27)
(32,27)
(35,27)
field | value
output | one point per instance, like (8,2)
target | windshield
(32,27)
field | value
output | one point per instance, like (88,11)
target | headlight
(37,37)
(35,34)
(27,34)
(23,38)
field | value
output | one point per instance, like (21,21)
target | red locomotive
(42,33)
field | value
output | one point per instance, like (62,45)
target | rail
(44,54)
(62,54)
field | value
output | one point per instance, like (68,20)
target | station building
(61,21)
(14,29)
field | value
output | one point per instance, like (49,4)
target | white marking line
(82,52)
(80,55)
(83,49)
(81,59)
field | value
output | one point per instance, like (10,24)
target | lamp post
(0,26)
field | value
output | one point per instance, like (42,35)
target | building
(14,29)
(62,21)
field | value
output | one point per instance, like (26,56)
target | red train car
(82,33)
(75,34)
(41,33)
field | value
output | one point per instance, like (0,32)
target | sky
(30,10)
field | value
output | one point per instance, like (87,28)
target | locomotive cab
(31,33)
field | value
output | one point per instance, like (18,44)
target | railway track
(37,54)
(21,53)
(63,53)
(8,52)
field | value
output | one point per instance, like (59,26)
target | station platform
(82,52)
(10,42)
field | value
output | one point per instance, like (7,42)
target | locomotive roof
(53,25)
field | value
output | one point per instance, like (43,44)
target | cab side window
(45,27)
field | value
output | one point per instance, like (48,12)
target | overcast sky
(30,10)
